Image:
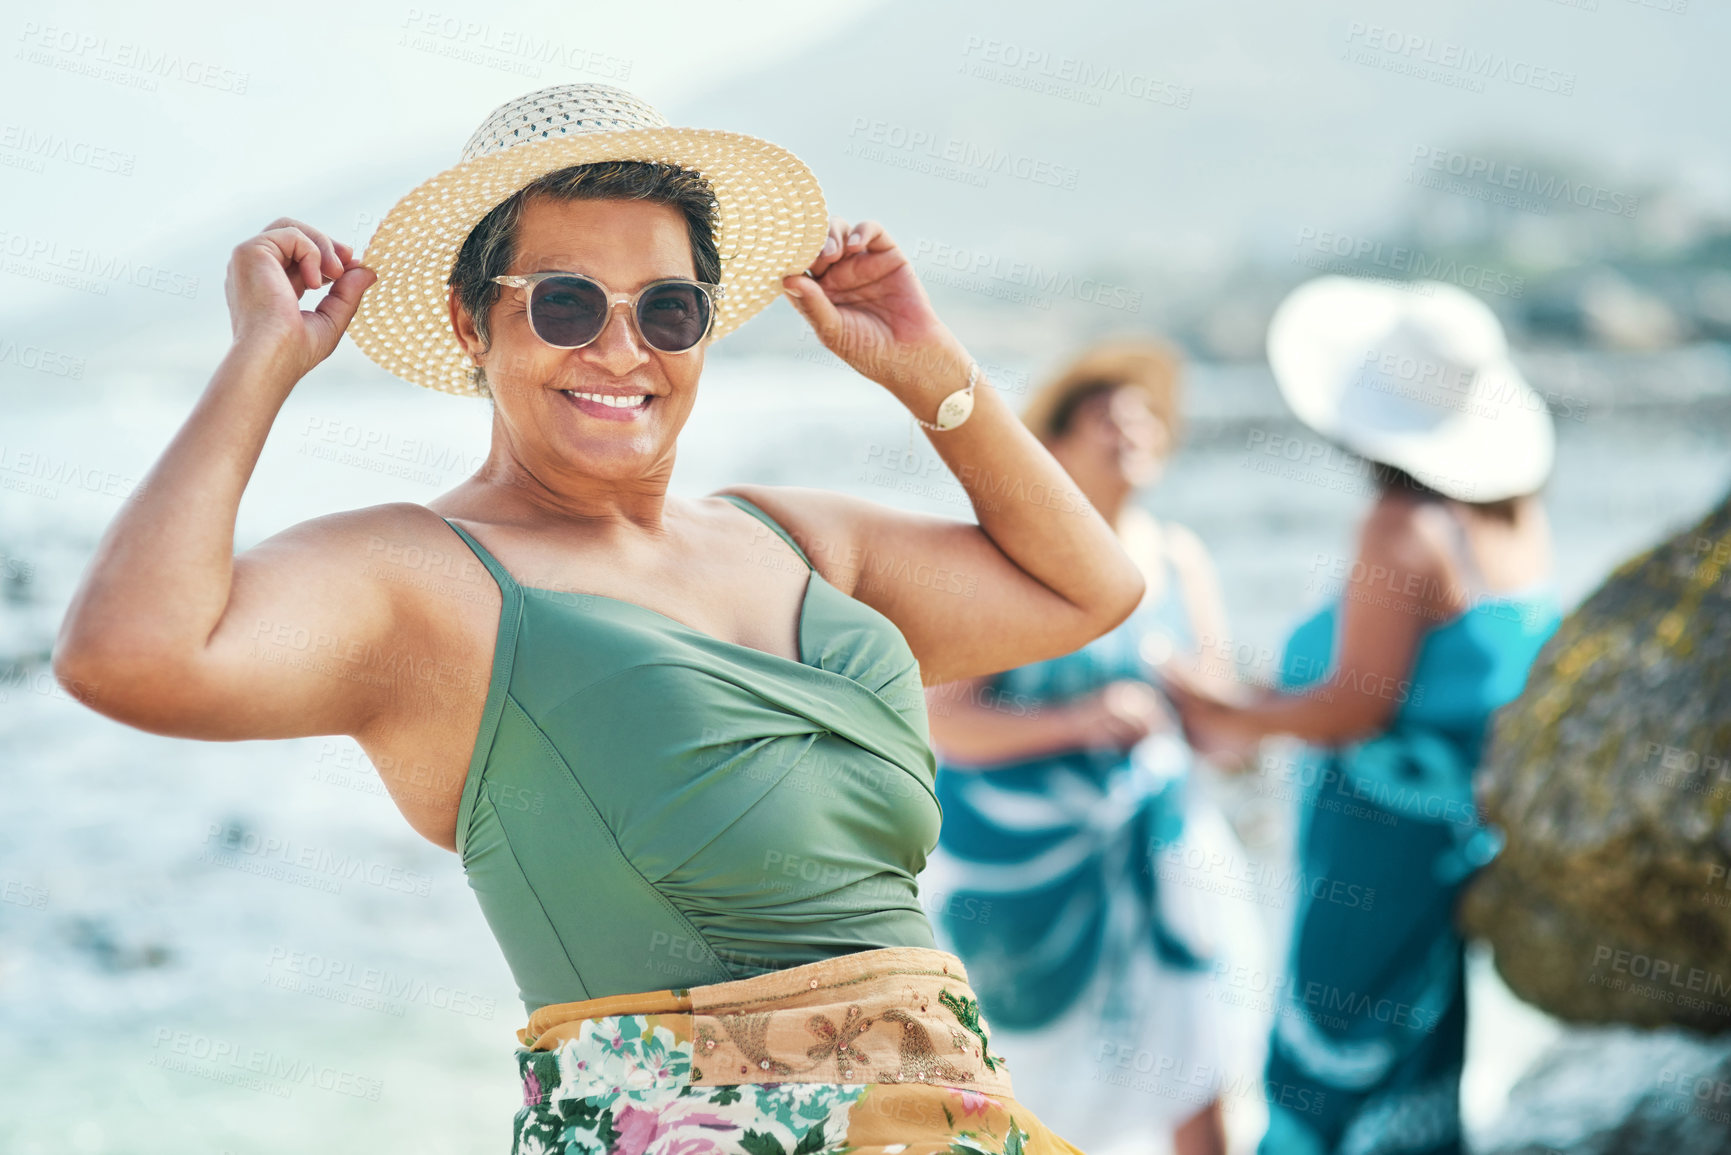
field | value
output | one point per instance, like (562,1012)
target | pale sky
(175,123)
(126,135)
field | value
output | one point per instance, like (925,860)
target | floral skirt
(883,1051)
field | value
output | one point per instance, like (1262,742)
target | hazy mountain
(1253,124)
(1091,166)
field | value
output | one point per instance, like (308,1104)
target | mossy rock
(1610,778)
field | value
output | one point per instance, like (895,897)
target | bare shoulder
(828,526)
(1189,557)
(343,529)
(1404,534)
(964,606)
(1185,547)
(319,619)
(352,538)
(373,565)
(797,507)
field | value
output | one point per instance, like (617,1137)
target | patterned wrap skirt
(882,1052)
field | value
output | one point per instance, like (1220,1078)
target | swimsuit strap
(499,572)
(769,521)
(1173,605)
(1178,598)
(1470,571)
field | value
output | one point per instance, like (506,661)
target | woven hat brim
(1317,340)
(772,221)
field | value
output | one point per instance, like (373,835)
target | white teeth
(629,402)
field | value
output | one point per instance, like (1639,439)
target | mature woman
(1071,833)
(636,707)
(1434,622)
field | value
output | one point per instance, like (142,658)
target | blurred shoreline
(136,915)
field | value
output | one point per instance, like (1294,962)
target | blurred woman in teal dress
(1429,627)
(1067,875)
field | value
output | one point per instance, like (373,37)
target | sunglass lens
(567,311)
(674,317)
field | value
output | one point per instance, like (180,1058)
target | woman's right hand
(267,275)
(1118,715)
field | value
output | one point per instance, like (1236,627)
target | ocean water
(216,947)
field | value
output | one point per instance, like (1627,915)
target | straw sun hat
(771,218)
(1417,377)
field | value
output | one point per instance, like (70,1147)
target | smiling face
(624,245)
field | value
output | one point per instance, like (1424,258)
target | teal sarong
(1370,1034)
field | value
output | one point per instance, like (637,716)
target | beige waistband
(896,1015)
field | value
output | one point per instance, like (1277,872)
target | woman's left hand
(865,304)
(1215,729)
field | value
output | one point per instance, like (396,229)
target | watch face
(955,409)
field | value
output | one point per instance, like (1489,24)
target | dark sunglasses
(570,310)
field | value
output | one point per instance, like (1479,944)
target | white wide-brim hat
(770,217)
(1415,376)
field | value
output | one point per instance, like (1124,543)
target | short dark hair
(1147,363)
(491,245)
(1390,479)
(1064,413)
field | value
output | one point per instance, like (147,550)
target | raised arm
(168,631)
(1379,635)
(1039,572)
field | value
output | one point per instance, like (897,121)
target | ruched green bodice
(648,806)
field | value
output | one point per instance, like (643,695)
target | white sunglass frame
(528,281)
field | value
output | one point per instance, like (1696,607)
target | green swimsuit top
(650,807)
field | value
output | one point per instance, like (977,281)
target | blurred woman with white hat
(1391,686)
